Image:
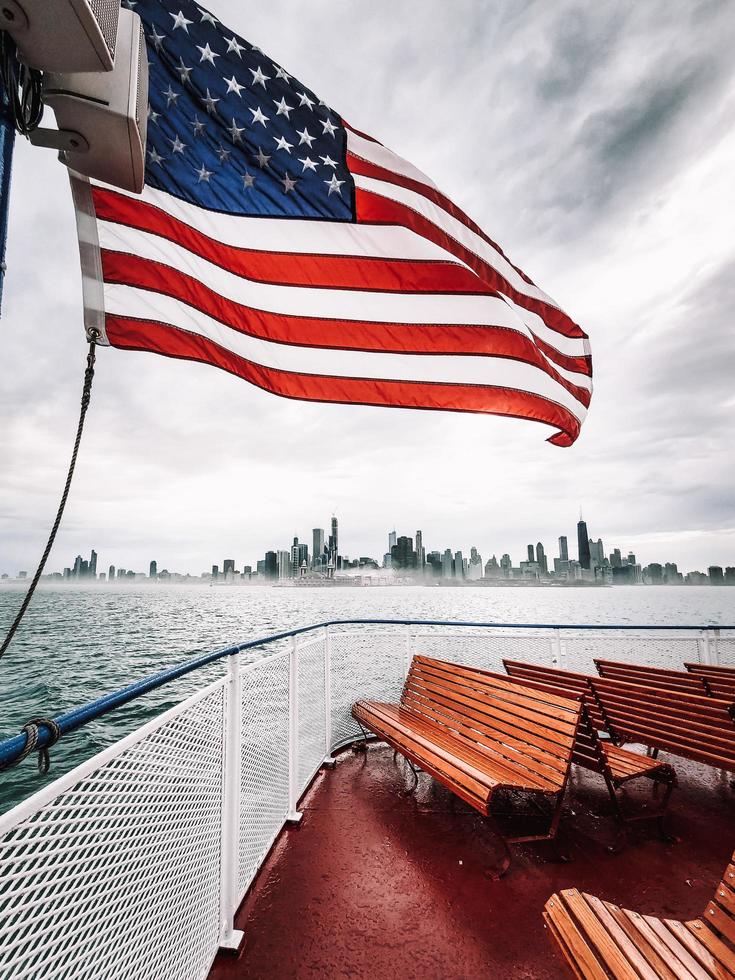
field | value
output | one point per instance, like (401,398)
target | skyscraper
(284,564)
(334,543)
(563,548)
(93,564)
(447,564)
(420,553)
(110,573)
(228,566)
(317,546)
(583,544)
(392,538)
(531,555)
(153,570)
(403,557)
(541,559)
(271,564)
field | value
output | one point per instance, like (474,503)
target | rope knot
(31,729)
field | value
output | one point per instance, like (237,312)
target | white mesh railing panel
(264,766)
(726,651)
(311,709)
(364,665)
(669,651)
(483,649)
(119,874)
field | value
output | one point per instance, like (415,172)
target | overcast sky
(595,142)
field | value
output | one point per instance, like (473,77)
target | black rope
(86,392)
(22,87)
(31,729)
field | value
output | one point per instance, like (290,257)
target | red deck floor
(378,884)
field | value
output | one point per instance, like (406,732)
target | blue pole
(7,143)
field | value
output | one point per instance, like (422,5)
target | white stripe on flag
(128,301)
(331,303)
(295,234)
(455,229)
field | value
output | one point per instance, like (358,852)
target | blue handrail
(11,748)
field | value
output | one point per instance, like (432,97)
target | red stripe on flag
(293,268)
(160,338)
(452,339)
(357,165)
(373,208)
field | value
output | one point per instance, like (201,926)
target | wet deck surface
(377,884)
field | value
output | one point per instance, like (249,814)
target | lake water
(77,644)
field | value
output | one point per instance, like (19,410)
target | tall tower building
(110,573)
(392,539)
(271,565)
(334,543)
(563,548)
(153,570)
(317,546)
(531,555)
(420,553)
(93,564)
(583,544)
(541,558)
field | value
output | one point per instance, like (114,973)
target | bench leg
(361,746)
(415,773)
(670,780)
(495,874)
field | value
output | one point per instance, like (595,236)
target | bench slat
(486,768)
(652,948)
(677,948)
(554,712)
(661,677)
(515,749)
(481,705)
(492,719)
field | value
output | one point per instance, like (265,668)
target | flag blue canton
(230,130)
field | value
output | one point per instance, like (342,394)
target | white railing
(134,864)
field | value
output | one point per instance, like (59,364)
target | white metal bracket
(232,940)
(294,816)
(63,140)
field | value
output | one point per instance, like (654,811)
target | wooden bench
(693,726)
(479,734)
(575,685)
(720,681)
(616,765)
(599,940)
(660,677)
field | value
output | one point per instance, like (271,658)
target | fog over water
(77,644)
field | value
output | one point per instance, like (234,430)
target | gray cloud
(571,132)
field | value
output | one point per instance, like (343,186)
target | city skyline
(407,557)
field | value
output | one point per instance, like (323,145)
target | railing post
(408,655)
(557,651)
(706,655)
(293,815)
(715,647)
(230,938)
(329,760)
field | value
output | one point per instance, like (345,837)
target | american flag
(276,241)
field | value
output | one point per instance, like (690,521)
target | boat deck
(376,883)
